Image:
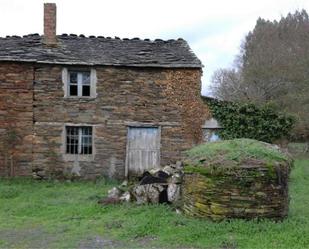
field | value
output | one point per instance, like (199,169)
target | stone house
(93,106)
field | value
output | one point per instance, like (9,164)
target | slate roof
(81,50)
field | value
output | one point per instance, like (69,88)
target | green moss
(218,209)
(199,170)
(271,172)
(230,174)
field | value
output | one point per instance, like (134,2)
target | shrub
(239,120)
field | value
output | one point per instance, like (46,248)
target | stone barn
(95,106)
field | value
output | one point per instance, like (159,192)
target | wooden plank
(143,149)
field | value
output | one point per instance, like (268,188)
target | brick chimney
(50,38)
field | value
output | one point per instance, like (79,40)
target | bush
(239,120)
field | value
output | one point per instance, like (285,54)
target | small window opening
(79,140)
(79,83)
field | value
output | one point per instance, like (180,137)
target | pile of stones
(159,185)
(248,187)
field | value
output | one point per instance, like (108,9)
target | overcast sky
(213,28)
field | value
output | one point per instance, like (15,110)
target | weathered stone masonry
(140,82)
(124,96)
(16,119)
(34,113)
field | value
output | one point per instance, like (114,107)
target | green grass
(235,150)
(37,214)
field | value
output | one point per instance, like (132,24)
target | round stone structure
(239,178)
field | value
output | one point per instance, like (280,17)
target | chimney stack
(50,38)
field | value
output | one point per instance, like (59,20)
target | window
(79,83)
(79,140)
(210,135)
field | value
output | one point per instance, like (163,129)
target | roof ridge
(21,36)
(71,36)
(65,35)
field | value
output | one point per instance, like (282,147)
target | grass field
(65,215)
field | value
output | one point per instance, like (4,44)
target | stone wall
(16,119)
(166,97)
(254,190)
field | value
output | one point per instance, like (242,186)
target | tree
(272,67)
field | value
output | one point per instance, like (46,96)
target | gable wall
(16,119)
(165,97)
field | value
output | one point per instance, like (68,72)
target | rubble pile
(160,185)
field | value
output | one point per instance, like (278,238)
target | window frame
(80,137)
(67,82)
(77,157)
(79,83)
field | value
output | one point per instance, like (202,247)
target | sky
(214,29)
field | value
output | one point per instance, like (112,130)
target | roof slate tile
(74,49)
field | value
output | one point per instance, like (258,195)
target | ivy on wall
(250,121)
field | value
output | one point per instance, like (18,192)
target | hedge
(247,120)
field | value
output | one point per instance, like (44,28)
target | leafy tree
(272,67)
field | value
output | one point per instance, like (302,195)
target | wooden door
(143,150)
